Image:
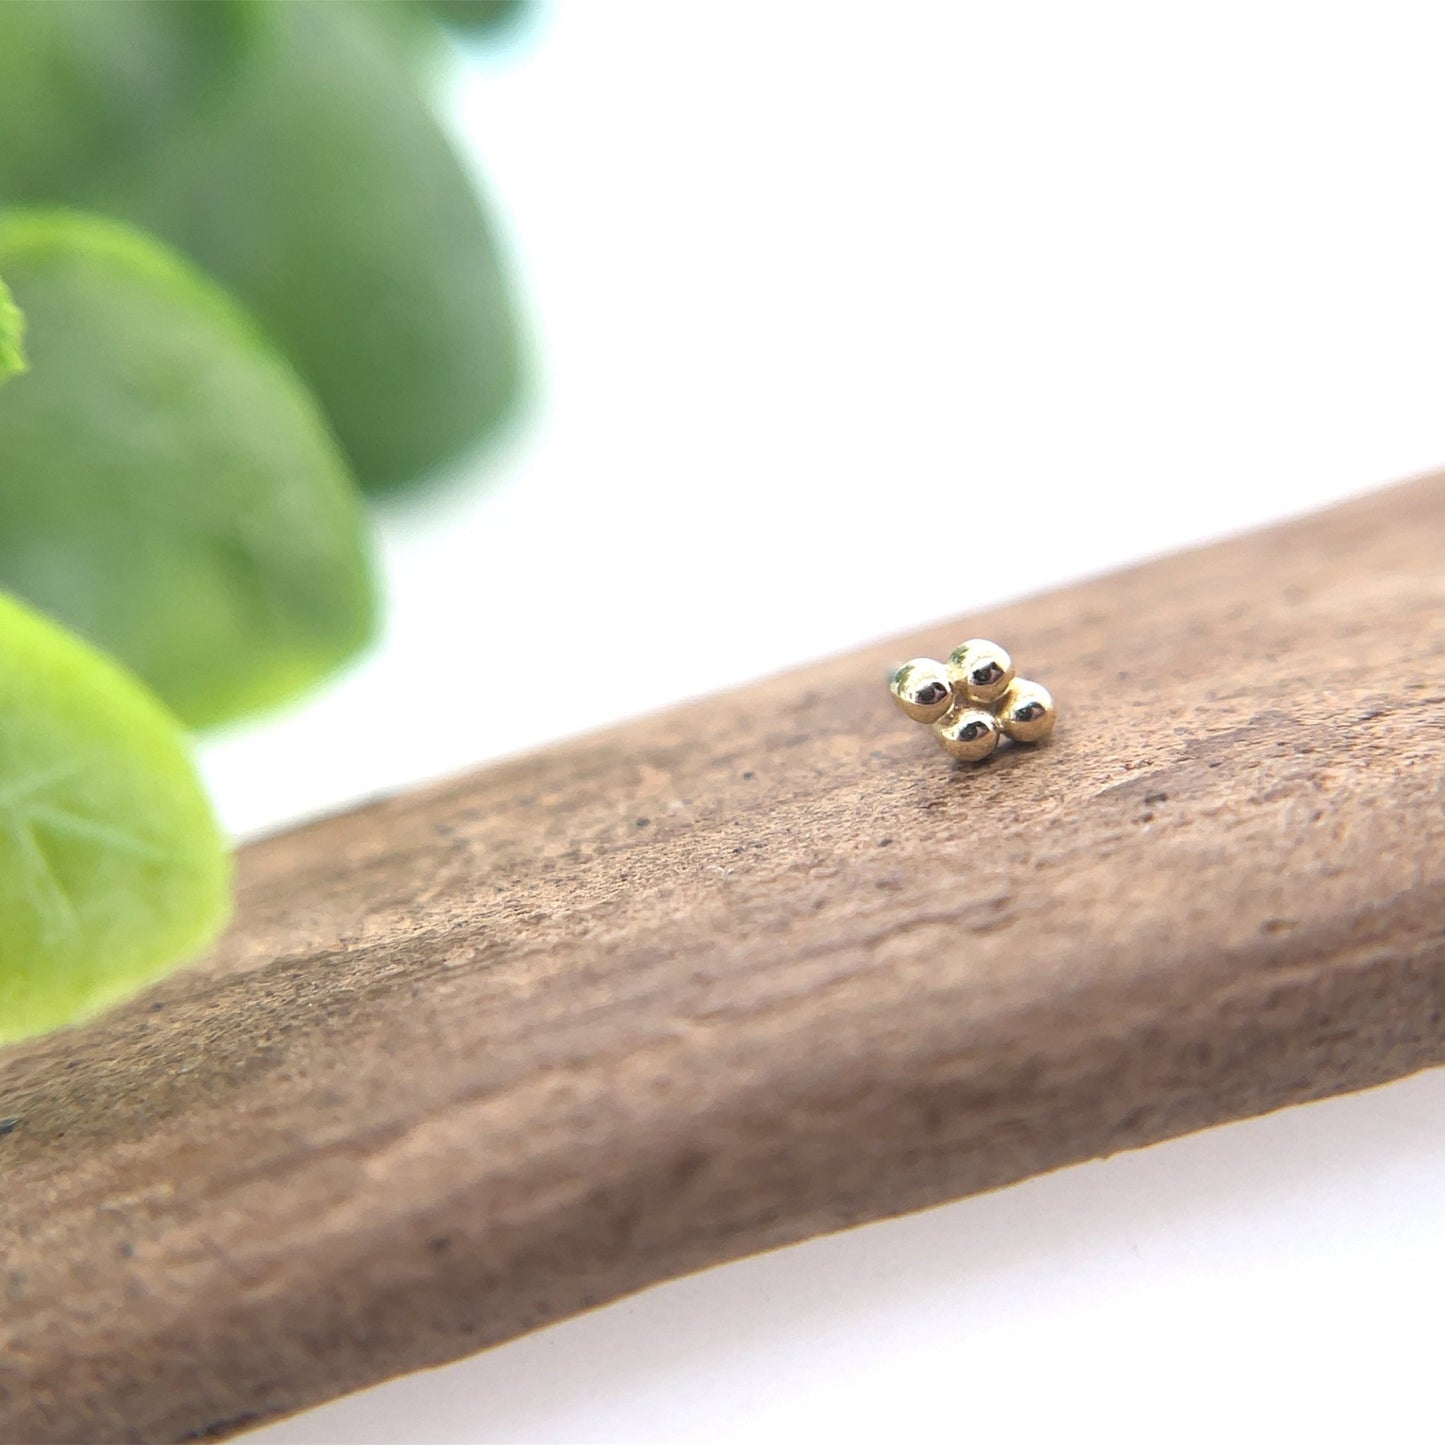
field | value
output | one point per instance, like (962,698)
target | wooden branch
(761,967)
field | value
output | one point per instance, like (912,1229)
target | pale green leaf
(112,869)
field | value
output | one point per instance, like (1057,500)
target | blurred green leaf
(112,869)
(167,487)
(479,15)
(288,149)
(12,336)
(86,87)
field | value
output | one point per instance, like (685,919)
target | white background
(1083,283)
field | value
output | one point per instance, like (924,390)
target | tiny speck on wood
(8,1126)
(749,776)
(643,822)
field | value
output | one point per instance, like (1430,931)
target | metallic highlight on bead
(974,699)
(923,689)
(968,733)
(1027,712)
(981,670)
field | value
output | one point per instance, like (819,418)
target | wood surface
(761,967)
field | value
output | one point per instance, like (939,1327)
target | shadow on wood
(758,968)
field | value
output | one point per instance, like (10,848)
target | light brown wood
(758,968)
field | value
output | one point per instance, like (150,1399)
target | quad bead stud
(973,700)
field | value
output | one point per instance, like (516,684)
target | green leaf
(167,487)
(295,158)
(12,336)
(87,85)
(479,16)
(325,195)
(112,869)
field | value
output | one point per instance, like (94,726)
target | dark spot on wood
(749,776)
(1131,1120)
(643,822)
(688,1166)
(219,1429)
(8,1126)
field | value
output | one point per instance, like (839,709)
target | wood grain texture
(764,966)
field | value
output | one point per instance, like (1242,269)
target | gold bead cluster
(973,699)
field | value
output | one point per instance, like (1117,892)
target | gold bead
(968,733)
(922,689)
(981,670)
(1027,712)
